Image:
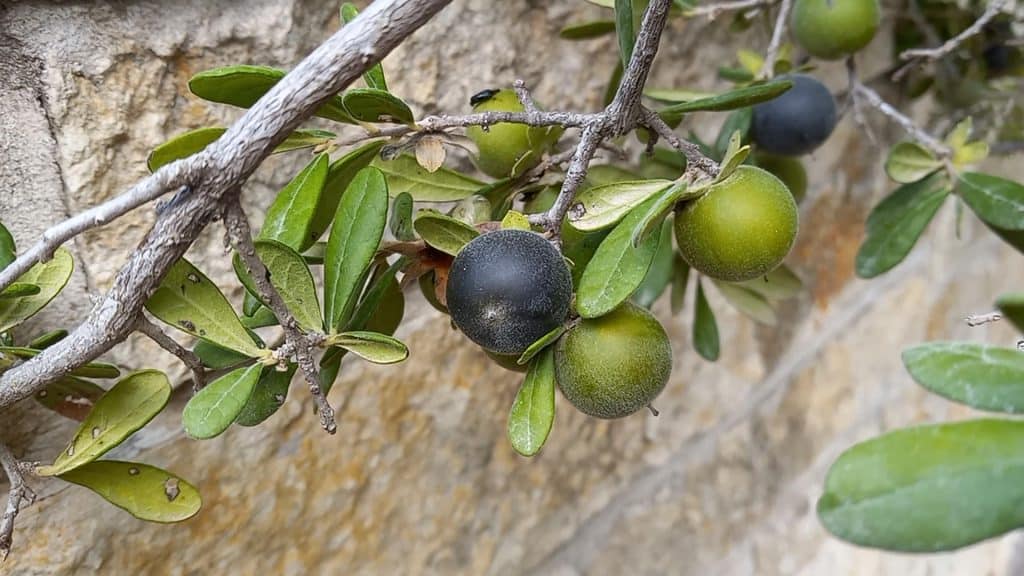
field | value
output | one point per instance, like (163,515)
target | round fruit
(742,228)
(508,288)
(505,148)
(614,365)
(832,29)
(796,122)
(507,361)
(789,170)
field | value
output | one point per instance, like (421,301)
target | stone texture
(420,478)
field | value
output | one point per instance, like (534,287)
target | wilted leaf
(997,201)
(603,206)
(442,232)
(144,491)
(373,105)
(267,396)
(430,153)
(216,406)
(533,411)
(377,348)
(50,276)
(290,275)
(128,406)
(404,174)
(290,218)
(243,85)
(983,377)
(705,328)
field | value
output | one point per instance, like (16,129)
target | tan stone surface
(420,478)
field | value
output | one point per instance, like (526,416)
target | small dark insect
(483,96)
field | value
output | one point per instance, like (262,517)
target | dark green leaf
(261,319)
(8,251)
(662,206)
(217,357)
(374,77)
(659,275)
(373,105)
(20,289)
(267,396)
(928,488)
(897,222)
(1012,306)
(997,201)
(216,406)
(443,232)
(401,217)
(190,302)
(70,397)
(380,309)
(705,328)
(290,275)
(50,276)
(680,278)
(404,174)
(739,75)
(617,268)
(587,30)
(290,218)
(339,176)
(243,85)
(731,100)
(128,406)
(358,228)
(603,206)
(144,491)
(533,411)
(541,343)
(624,29)
(983,377)
(44,341)
(193,141)
(377,348)
(1014,238)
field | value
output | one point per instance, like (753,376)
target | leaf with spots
(533,411)
(215,407)
(290,275)
(70,397)
(128,406)
(50,276)
(983,377)
(605,205)
(404,174)
(146,492)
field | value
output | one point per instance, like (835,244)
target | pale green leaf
(533,411)
(215,407)
(377,348)
(909,162)
(290,275)
(50,276)
(983,377)
(404,174)
(442,232)
(144,491)
(603,206)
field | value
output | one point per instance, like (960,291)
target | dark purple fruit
(508,288)
(798,121)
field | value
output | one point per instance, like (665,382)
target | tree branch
(713,10)
(859,90)
(221,167)
(153,332)
(695,159)
(991,11)
(18,494)
(297,342)
(768,68)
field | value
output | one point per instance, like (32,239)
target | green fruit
(506,149)
(742,228)
(832,29)
(788,169)
(614,365)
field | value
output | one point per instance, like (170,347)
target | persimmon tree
(545,259)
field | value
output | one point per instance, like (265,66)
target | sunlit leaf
(373,105)
(533,411)
(404,174)
(144,491)
(290,275)
(603,206)
(50,276)
(243,85)
(215,407)
(377,348)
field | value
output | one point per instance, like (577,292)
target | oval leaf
(779,284)
(243,85)
(603,206)
(680,278)
(290,275)
(216,406)
(705,328)
(187,144)
(442,232)
(404,174)
(358,228)
(983,377)
(144,491)
(128,406)
(997,201)
(187,300)
(339,176)
(617,267)
(70,397)
(897,222)
(373,105)
(624,29)
(267,396)
(376,348)
(929,488)
(533,411)
(217,357)
(1012,306)
(748,302)
(587,30)
(8,251)
(909,162)
(50,276)
(290,218)
(382,306)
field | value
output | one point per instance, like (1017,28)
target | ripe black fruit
(508,288)
(798,121)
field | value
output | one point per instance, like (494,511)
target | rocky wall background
(420,478)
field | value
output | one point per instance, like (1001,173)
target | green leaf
(928,488)
(330,365)
(378,305)
(587,30)
(731,100)
(533,411)
(400,223)
(290,275)
(666,201)
(680,278)
(217,357)
(90,370)
(601,174)
(243,85)
(377,348)
(750,61)
(960,133)
(193,141)
(358,228)
(8,250)
(404,174)
(705,328)
(48,339)
(541,343)
(738,121)
(624,29)
(373,105)
(515,220)
(659,275)
(70,397)
(215,407)
(127,407)
(187,300)
(261,319)
(738,75)
(675,95)
(897,222)
(747,302)
(290,218)
(50,276)
(779,284)
(909,162)
(339,176)
(617,267)
(603,206)
(19,290)
(374,77)
(983,377)
(997,201)
(443,232)
(267,396)
(1012,306)
(735,155)
(144,491)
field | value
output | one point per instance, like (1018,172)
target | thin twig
(980,319)
(695,159)
(189,358)
(859,90)
(991,11)
(524,96)
(19,493)
(713,10)
(299,343)
(768,68)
